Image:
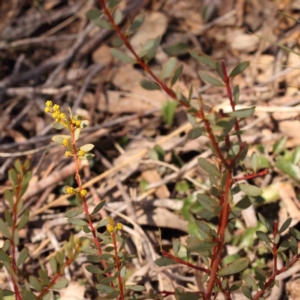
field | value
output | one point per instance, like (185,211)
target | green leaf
(13,176)
(294,245)
(106,289)
(102,23)
(22,256)
(149,49)
(93,269)
(98,207)
(176,49)
(4,256)
(4,229)
(150,85)
(296,155)
(210,79)
(194,133)
(263,236)
(18,166)
(77,222)
(176,246)
(93,14)
(247,292)
(113,3)
(254,162)
(87,147)
(164,261)
(295,233)
(53,264)
(203,59)
(196,245)
(239,68)
(250,190)
(176,75)
(102,223)
(122,56)
(136,24)
(235,286)
(168,68)
(73,213)
(264,222)
(236,94)
(58,125)
(259,274)
(279,146)
(250,282)
(285,225)
(236,267)
(242,113)
(207,202)
(208,167)
(288,168)
(118,16)
(168,111)
(24,219)
(219,70)
(244,203)
(60,283)
(35,283)
(9,197)
(135,288)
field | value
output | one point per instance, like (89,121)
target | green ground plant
(215,212)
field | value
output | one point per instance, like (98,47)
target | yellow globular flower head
(65,142)
(81,153)
(83,192)
(119,226)
(49,103)
(55,114)
(70,190)
(56,107)
(47,109)
(68,154)
(110,228)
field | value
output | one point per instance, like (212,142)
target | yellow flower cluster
(111,227)
(70,190)
(81,153)
(65,142)
(76,123)
(68,154)
(55,111)
(83,193)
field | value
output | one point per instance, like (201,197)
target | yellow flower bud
(62,115)
(83,192)
(55,115)
(110,228)
(65,142)
(119,226)
(81,153)
(70,190)
(56,107)
(49,103)
(68,154)
(47,110)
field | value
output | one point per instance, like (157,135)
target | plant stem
(118,265)
(78,180)
(223,223)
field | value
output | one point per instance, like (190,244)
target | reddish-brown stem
(146,68)
(12,241)
(183,262)
(229,93)
(251,176)
(222,227)
(118,265)
(273,277)
(60,273)
(275,232)
(78,180)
